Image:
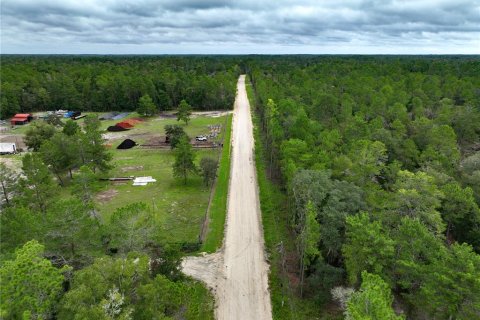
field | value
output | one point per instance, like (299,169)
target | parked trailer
(8,148)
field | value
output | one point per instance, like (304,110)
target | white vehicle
(8,148)
(201,138)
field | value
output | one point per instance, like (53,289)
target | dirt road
(238,273)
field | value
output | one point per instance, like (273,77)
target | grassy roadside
(218,207)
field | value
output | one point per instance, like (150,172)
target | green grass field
(180,208)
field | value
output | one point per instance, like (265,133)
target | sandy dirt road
(238,272)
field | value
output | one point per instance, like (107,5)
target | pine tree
(31,286)
(37,189)
(184,158)
(372,301)
(184,112)
(96,154)
(146,106)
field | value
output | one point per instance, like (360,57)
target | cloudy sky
(240,26)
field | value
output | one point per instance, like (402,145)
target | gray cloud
(213,26)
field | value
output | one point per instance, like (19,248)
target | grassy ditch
(218,206)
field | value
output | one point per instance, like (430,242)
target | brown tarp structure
(124,125)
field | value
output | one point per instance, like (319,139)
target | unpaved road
(238,272)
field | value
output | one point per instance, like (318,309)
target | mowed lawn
(179,208)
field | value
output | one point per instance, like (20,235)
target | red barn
(124,125)
(21,118)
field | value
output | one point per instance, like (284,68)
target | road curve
(238,272)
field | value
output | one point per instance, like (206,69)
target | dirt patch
(137,137)
(120,183)
(206,267)
(155,140)
(210,114)
(131,168)
(106,196)
(115,135)
(166,115)
(14,138)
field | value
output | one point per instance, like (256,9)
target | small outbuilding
(21,119)
(127,144)
(124,125)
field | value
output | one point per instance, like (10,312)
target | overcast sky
(241,26)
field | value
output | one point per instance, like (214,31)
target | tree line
(379,158)
(109,83)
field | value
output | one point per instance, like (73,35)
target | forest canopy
(379,160)
(115,83)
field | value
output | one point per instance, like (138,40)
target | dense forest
(379,158)
(114,83)
(61,256)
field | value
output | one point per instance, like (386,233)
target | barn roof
(124,125)
(22,115)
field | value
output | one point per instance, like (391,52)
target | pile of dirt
(116,128)
(127,144)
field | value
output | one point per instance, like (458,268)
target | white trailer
(8,148)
